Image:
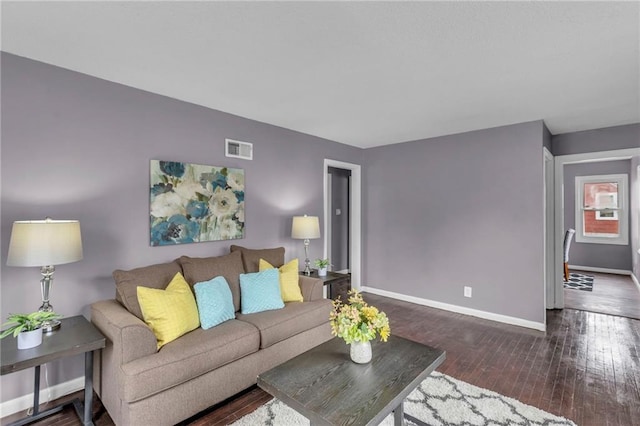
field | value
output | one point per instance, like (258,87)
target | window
(602,209)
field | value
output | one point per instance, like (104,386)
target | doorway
(348,257)
(559,164)
(339,188)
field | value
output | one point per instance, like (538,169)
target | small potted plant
(26,327)
(322,265)
(357,324)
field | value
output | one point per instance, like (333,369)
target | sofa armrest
(130,336)
(311,288)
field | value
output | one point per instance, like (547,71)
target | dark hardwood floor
(586,367)
(612,294)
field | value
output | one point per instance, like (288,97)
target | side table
(75,336)
(337,284)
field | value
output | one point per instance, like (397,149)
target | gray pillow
(251,257)
(154,276)
(199,269)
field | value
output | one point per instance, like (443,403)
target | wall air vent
(238,149)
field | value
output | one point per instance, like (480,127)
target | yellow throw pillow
(171,312)
(289,288)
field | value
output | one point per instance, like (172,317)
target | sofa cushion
(294,318)
(153,276)
(289,278)
(171,312)
(251,257)
(215,302)
(190,356)
(198,269)
(260,291)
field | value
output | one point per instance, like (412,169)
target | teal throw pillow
(215,302)
(260,291)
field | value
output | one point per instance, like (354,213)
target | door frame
(549,229)
(328,225)
(355,216)
(559,163)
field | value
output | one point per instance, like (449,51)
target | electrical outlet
(467,291)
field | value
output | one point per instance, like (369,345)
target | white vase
(360,352)
(29,339)
(322,272)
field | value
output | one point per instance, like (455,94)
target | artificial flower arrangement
(356,321)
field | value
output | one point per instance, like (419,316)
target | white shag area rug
(439,400)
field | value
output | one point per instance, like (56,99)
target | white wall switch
(467,291)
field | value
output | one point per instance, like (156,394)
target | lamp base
(307,262)
(45,285)
(50,326)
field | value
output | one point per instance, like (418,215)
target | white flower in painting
(188,191)
(167,204)
(235,180)
(227,229)
(240,212)
(223,202)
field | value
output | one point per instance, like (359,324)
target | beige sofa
(141,385)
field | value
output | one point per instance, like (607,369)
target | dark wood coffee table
(324,385)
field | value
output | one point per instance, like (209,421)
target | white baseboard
(602,270)
(458,309)
(26,401)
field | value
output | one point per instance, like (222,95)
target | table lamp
(305,228)
(45,243)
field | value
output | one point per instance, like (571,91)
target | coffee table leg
(414,420)
(398,415)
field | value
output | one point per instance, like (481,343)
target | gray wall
(459,210)
(547,138)
(77,147)
(611,256)
(606,139)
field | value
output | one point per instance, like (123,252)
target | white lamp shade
(305,227)
(44,243)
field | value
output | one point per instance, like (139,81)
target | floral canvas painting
(194,203)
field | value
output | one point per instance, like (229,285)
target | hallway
(612,294)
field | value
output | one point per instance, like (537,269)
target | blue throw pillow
(260,291)
(215,302)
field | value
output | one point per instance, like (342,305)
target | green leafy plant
(356,321)
(322,263)
(26,322)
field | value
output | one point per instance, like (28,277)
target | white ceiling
(361,73)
